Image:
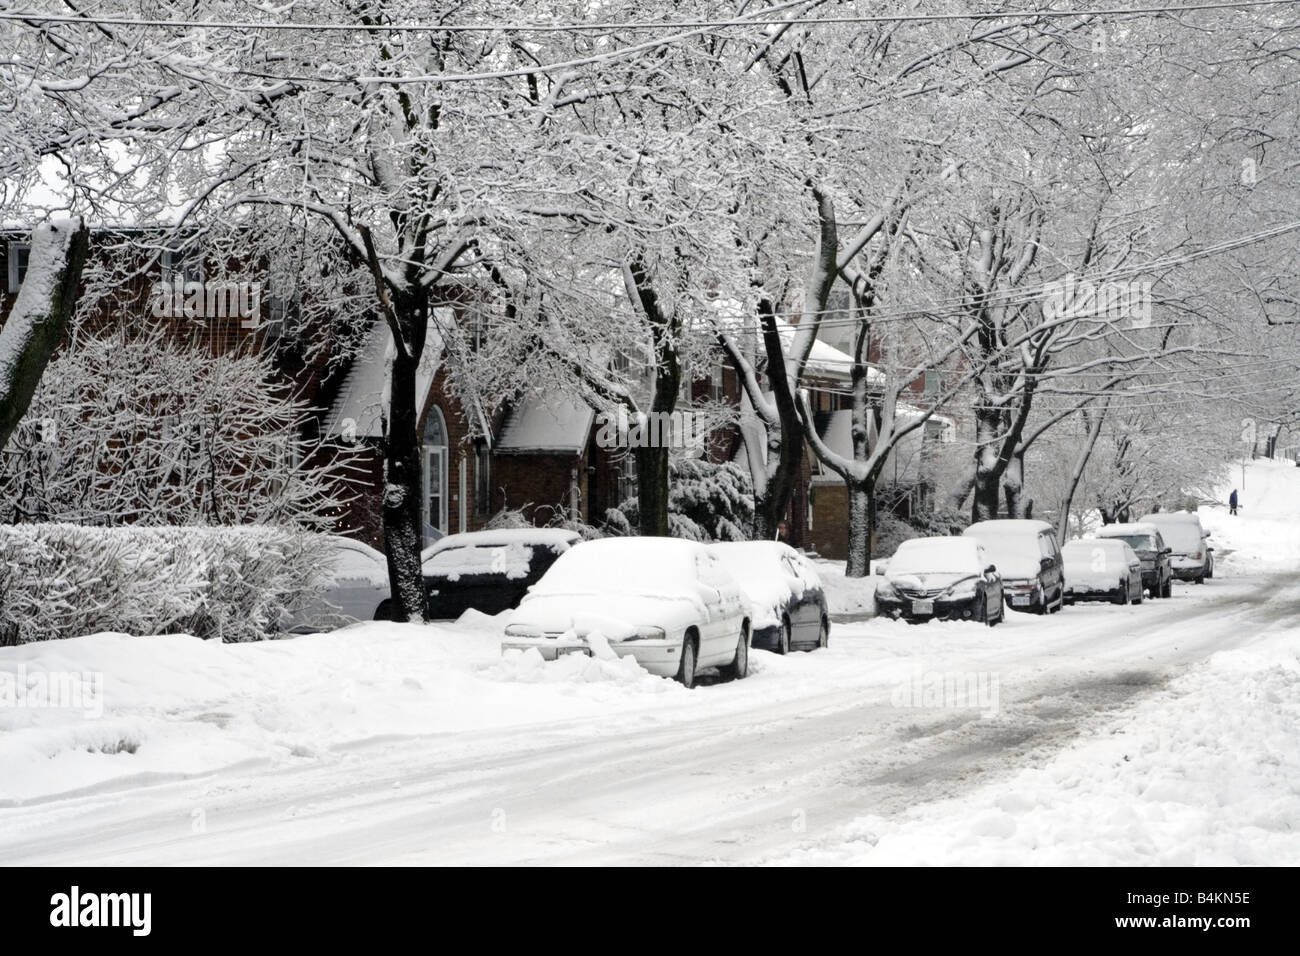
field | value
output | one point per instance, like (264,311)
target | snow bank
(1201,774)
(846,595)
(140,708)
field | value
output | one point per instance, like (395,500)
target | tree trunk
(652,491)
(1013,486)
(1076,474)
(403,475)
(988,469)
(39,318)
(862,512)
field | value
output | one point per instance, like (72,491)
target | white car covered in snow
(1192,558)
(354,579)
(669,604)
(786,602)
(1102,569)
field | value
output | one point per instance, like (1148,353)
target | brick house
(536,453)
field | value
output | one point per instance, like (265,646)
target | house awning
(546,425)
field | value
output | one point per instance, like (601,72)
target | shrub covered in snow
(234,584)
(706,502)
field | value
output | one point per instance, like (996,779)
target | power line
(636,25)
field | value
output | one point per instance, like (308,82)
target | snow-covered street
(1159,733)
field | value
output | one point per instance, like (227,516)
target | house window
(482,479)
(182,265)
(480,325)
(19,255)
(627,479)
(933,383)
(716,390)
(435,475)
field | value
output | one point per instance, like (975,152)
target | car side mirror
(1047,564)
(1167,551)
(991,569)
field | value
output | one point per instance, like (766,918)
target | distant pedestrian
(782,532)
(1232,502)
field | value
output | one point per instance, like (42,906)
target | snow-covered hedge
(229,583)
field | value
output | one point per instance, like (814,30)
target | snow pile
(114,708)
(1201,774)
(847,595)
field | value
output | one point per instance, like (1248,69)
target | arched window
(435,474)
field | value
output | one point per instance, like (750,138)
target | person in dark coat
(1232,502)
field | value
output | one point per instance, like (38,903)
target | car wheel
(824,634)
(738,669)
(1200,580)
(1121,596)
(385,611)
(1040,606)
(783,642)
(686,669)
(1168,590)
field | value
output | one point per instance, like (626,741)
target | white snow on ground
(846,595)
(1264,535)
(1206,772)
(394,743)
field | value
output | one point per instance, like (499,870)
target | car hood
(615,616)
(928,582)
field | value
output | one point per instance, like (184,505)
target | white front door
(434,505)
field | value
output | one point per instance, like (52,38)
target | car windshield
(1138,542)
(935,556)
(511,561)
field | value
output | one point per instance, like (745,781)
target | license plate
(560,651)
(1020,599)
(922,607)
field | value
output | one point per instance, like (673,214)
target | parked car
(669,604)
(1192,558)
(787,607)
(489,571)
(1028,558)
(1102,569)
(941,578)
(355,579)
(1150,546)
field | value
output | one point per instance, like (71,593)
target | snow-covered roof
(546,425)
(363,399)
(558,539)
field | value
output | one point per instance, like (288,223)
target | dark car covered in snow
(489,571)
(941,578)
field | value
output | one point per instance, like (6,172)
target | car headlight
(887,591)
(647,633)
(522,630)
(962,590)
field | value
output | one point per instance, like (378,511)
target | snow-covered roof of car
(558,538)
(1132,527)
(1186,516)
(1008,526)
(546,424)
